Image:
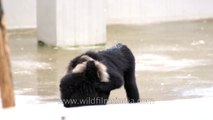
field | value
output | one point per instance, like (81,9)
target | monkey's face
(80,87)
(76,90)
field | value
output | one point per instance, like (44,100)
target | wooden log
(6,86)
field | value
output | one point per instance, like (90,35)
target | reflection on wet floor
(173,61)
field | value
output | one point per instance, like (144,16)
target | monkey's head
(81,85)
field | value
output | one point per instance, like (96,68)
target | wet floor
(173,61)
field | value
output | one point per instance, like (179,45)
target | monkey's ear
(102,72)
(86,58)
(79,68)
(73,63)
(97,71)
(78,60)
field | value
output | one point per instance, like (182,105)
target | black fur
(86,88)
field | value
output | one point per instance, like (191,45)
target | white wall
(148,11)
(46,21)
(20,13)
(71,22)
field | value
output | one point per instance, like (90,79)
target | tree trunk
(6,86)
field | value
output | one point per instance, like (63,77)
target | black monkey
(92,75)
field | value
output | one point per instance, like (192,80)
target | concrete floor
(173,61)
